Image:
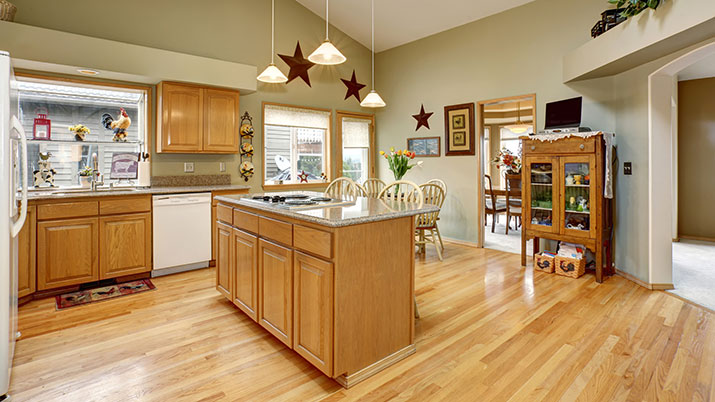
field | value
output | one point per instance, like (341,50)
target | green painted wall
(232,30)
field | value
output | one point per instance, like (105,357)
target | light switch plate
(627,168)
(188,167)
(222,166)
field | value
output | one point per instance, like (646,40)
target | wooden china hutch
(563,195)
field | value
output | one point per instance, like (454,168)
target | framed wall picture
(424,146)
(459,129)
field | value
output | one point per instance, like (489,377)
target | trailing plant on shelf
(634,7)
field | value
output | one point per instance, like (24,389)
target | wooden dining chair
(361,192)
(426,224)
(342,187)
(404,191)
(492,205)
(443,185)
(513,200)
(373,187)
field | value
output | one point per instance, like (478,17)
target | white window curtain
(356,133)
(294,117)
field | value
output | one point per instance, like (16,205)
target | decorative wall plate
(246,149)
(247,130)
(247,170)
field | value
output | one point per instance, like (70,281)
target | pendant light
(518,127)
(272,74)
(373,99)
(327,54)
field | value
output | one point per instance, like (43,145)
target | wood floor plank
(489,330)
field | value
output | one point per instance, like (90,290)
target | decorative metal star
(422,118)
(298,64)
(303,176)
(354,87)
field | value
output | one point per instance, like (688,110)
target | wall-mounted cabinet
(194,119)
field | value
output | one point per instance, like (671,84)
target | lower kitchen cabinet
(313,311)
(124,245)
(67,252)
(27,249)
(245,274)
(224,260)
(275,282)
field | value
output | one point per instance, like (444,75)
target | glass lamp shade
(272,75)
(518,128)
(372,100)
(327,54)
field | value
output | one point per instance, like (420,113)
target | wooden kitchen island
(335,284)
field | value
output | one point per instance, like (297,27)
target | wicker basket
(569,266)
(7,11)
(544,263)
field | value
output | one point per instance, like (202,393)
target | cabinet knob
(582,147)
(533,147)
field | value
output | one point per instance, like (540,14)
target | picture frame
(459,132)
(125,165)
(425,147)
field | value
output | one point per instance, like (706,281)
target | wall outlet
(627,168)
(188,167)
(222,166)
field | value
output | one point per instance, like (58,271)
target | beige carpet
(694,272)
(510,243)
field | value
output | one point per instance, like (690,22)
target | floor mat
(102,293)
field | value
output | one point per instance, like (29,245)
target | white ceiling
(401,21)
(705,68)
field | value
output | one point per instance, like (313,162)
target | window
(71,102)
(295,140)
(356,132)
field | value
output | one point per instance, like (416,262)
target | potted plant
(399,162)
(634,7)
(85,177)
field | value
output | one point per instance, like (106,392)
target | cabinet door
(275,283)
(27,243)
(245,285)
(224,259)
(124,245)
(68,252)
(578,188)
(541,195)
(182,118)
(221,121)
(313,311)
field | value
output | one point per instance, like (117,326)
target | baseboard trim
(348,381)
(460,242)
(649,286)
(698,238)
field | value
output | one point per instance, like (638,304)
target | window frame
(340,114)
(326,149)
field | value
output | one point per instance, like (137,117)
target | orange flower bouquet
(399,161)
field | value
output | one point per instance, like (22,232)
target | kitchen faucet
(96,173)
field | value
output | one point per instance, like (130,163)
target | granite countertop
(363,210)
(59,193)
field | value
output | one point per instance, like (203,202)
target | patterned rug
(104,293)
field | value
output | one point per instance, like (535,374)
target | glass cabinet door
(578,195)
(541,208)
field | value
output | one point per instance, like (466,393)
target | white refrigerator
(13,211)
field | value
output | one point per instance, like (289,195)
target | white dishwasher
(182,232)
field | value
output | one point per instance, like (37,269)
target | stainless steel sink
(78,190)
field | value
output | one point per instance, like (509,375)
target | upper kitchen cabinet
(194,119)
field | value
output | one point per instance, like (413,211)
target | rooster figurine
(119,125)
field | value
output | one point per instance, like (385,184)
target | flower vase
(85,181)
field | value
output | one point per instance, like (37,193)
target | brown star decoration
(298,64)
(354,87)
(422,118)
(303,176)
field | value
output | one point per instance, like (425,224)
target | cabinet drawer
(67,210)
(224,214)
(272,229)
(245,220)
(571,145)
(313,241)
(125,206)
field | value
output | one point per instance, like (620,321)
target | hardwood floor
(488,331)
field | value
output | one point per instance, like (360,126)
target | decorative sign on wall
(422,118)
(354,87)
(424,146)
(459,129)
(298,65)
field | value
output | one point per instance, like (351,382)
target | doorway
(500,124)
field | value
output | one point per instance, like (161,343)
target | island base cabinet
(125,245)
(313,311)
(245,286)
(224,259)
(68,252)
(275,281)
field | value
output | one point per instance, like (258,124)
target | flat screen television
(563,114)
